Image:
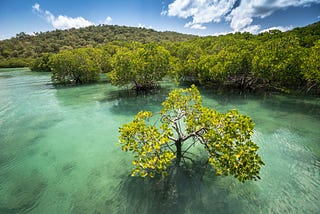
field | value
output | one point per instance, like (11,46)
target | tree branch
(169,146)
(173,139)
(193,134)
(188,148)
(186,157)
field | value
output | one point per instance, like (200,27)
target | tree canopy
(184,123)
(273,60)
(311,67)
(142,65)
(42,63)
(77,66)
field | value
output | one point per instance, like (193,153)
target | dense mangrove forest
(273,60)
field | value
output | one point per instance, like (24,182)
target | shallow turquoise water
(58,153)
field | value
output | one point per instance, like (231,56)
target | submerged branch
(188,148)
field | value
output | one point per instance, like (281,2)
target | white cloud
(63,21)
(164,13)
(239,14)
(195,26)
(143,26)
(254,29)
(242,16)
(222,33)
(36,7)
(281,28)
(180,8)
(108,20)
(201,11)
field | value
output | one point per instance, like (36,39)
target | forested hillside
(307,35)
(23,49)
(272,60)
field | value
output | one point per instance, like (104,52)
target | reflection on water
(58,153)
(128,102)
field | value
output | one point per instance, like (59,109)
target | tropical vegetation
(78,66)
(185,123)
(272,60)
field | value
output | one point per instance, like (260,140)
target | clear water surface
(59,153)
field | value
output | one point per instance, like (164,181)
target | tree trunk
(178,152)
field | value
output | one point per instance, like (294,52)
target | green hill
(23,48)
(308,34)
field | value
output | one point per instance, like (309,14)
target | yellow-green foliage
(77,66)
(225,136)
(311,66)
(147,142)
(142,65)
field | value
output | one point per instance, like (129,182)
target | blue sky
(200,17)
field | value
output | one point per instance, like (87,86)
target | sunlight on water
(58,153)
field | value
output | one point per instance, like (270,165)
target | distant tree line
(271,60)
(21,50)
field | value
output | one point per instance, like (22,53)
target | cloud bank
(281,28)
(140,25)
(108,20)
(63,21)
(238,13)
